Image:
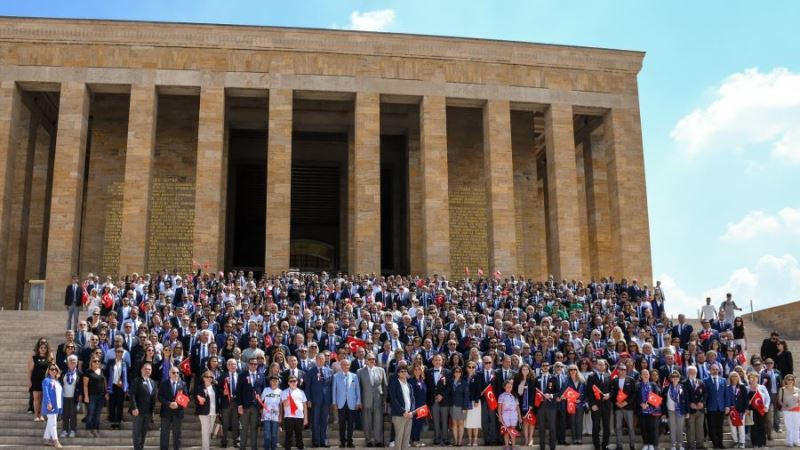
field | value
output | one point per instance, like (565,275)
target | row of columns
(622,234)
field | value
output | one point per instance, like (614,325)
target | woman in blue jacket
(736,399)
(676,406)
(51,405)
(459,392)
(650,414)
(420,389)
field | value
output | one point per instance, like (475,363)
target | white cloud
(751,108)
(757,223)
(371,20)
(772,281)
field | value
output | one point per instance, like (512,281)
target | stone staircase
(19,331)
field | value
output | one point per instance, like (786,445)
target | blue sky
(720,103)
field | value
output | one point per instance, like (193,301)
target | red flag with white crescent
(491,399)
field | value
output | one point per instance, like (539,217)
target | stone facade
(502,172)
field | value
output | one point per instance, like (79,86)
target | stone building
(134,146)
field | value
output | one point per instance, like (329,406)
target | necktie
(544,383)
(486,375)
(319,375)
(174,389)
(149,387)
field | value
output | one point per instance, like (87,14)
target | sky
(720,110)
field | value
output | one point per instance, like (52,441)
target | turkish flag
(621,397)
(740,357)
(530,418)
(423,411)
(497,274)
(705,335)
(736,418)
(572,408)
(186,367)
(491,399)
(480,272)
(511,431)
(292,404)
(538,399)
(614,374)
(571,394)
(355,343)
(757,402)
(598,394)
(654,399)
(182,399)
(226,390)
(420,283)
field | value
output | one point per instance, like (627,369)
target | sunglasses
(207,376)
(292,381)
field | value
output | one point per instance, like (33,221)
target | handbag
(748,418)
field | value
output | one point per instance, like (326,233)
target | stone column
(209,193)
(67,197)
(630,228)
(364,205)
(279,181)
(435,190)
(499,187)
(138,170)
(12,130)
(603,261)
(562,193)
(415,196)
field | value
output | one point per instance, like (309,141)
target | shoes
(64,434)
(391,444)
(72,434)
(56,444)
(350,445)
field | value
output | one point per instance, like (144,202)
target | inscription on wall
(112,229)
(468,242)
(171,224)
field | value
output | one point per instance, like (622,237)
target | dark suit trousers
(292,430)
(546,421)
(601,417)
(715,421)
(488,423)
(346,421)
(116,400)
(230,421)
(171,424)
(141,424)
(319,424)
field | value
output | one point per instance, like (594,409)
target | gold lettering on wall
(171,224)
(468,242)
(112,230)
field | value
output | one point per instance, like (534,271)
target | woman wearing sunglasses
(51,405)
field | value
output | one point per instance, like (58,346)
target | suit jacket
(225,383)
(325,342)
(459,395)
(766,380)
(301,377)
(499,380)
(684,334)
(737,397)
(603,382)
(247,391)
(715,397)
(680,395)
(346,391)
(397,405)
(205,408)
(372,396)
(141,398)
(441,388)
(553,386)
(165,396)
(696,393)
(73,296)
(319,386)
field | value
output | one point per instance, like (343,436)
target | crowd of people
(489,360)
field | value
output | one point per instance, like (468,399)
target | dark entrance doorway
(319,190)
(247,190)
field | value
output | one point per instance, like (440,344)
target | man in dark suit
(716,404)
(73,297)
(319,388)
(623,410)
(682,330)
(250,385)
(143,393)
(293,371)
(171,412)
(438,378)
(229,408)
(546,414)
(488,418)
(695,418)
(600,407)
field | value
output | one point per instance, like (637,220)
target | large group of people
(487,360)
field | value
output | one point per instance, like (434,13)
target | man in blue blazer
(347,396)
(716,405)
(250,384)
(319,384)
(401,407)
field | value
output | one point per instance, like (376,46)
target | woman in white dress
(473,421)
